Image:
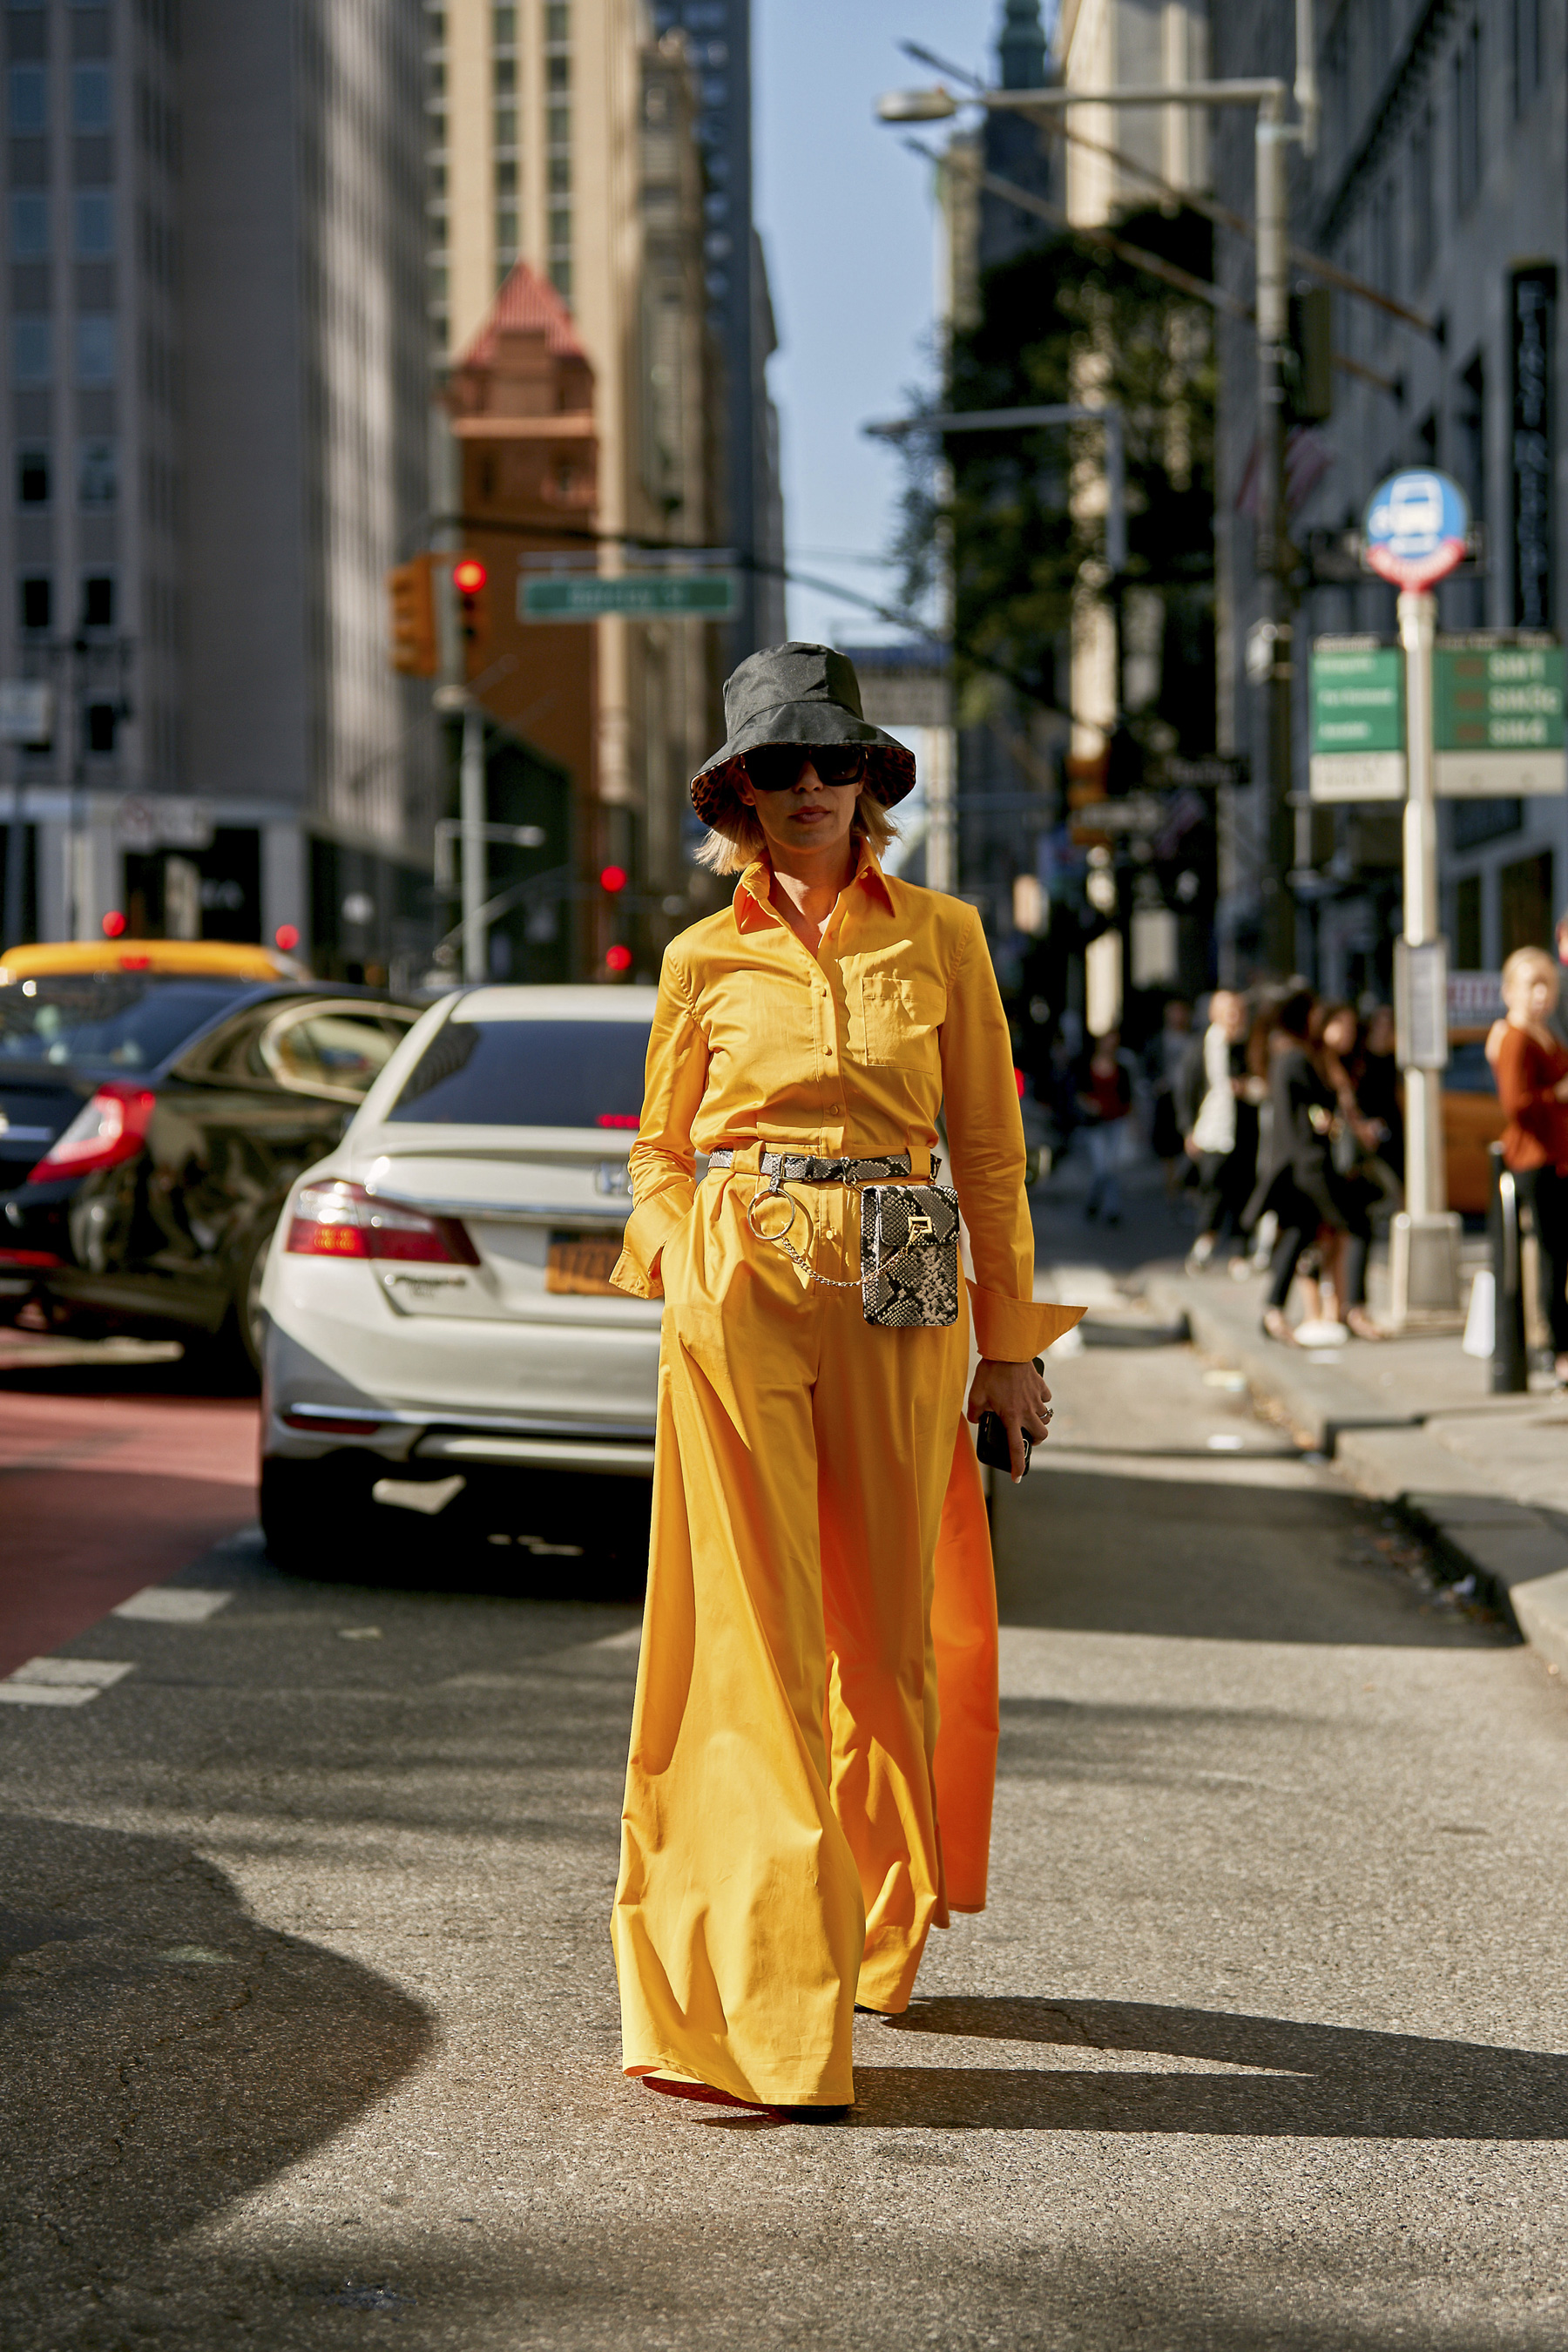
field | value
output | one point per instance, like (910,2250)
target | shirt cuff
(1012,1330)
(649,1227)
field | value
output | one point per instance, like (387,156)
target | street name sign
(1416,528)
(1358,721)
(639,595)
(1497,716)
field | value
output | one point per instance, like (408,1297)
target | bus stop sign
(1416,528)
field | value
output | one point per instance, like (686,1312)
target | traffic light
(471,581)
(613,879)
(1308,360)
(414,650)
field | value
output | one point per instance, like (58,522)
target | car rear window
(528,1073)
(109,1020)
(1468,1071)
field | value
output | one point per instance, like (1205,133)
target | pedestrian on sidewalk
(1105,1106)
(820,1594)
(1353,1153)
(1164,1062)
(1532,1087)
(1376,1083)
(1221,1140)
(1301,1184)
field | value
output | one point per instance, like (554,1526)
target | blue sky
(848,226)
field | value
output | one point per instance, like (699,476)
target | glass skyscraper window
(35,601)
(92,108)
(93,224)
(94,348)
(505,149)
(98,483)
(33,477)
(29,226)
(27,101)
(32,351)
(558,143)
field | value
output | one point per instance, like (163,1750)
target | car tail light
(111,1128)
(341,1220)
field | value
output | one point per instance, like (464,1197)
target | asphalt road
(309,2028)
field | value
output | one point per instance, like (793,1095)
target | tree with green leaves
(1066,322)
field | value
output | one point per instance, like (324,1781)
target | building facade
(214,440)
(1441,183)
(577,140)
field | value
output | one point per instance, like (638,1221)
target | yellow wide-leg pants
(799,1810)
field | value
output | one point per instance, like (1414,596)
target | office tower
(563,143)
(216,444)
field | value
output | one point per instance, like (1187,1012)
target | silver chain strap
(920,1231)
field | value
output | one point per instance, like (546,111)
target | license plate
(582,1263)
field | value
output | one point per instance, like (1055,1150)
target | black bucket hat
(797,694)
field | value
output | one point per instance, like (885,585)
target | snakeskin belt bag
(908,1237)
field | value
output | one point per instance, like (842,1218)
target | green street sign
(639,595)
(1358,720)
(1497,716)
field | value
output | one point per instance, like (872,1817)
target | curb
(1516,1556)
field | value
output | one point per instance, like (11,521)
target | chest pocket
(761,1019)
(894,1022)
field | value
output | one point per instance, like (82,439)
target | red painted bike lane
(110,1478)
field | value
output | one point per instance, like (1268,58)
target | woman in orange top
(799,1813)
(1532,1087)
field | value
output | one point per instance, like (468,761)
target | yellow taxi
(217,958)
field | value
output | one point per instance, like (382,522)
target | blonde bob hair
(1531,961)
(735,836)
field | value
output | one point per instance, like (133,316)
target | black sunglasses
(776,767)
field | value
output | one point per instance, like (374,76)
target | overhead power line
(1314,264)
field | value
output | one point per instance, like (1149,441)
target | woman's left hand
(1019,1398)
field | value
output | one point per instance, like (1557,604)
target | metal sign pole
(1425,1255)
(471,776)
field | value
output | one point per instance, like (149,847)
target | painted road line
(173,1604)
(60,1682)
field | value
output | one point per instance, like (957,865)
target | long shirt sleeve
(663,1159)
(1527,1080)
(853,1051)
(985,1137)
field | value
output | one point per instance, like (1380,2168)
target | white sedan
(438,1309)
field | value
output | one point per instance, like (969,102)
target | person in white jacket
(1226,1166)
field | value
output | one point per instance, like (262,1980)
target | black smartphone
(991,1438)
(991,1444)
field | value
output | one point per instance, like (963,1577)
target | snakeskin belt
(800,1168)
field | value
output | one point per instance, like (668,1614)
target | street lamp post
(1271,665)
(941,818)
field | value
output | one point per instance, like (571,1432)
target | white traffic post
(1424,1174)
(472,807)
(1424,1254)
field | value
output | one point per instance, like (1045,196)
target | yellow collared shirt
(850,1053)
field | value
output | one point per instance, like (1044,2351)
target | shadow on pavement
(1197,1558)
(162,2054)
(1312,2082)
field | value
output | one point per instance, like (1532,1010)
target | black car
(151,1126)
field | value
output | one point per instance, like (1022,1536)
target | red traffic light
(618,958)
(613,879)
(287,937)
(469,577)
(114,924)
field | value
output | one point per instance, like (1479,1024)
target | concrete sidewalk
(1414,1422)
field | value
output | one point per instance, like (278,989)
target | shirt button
(837,1110)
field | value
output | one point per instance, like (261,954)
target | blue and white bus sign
(1417,527)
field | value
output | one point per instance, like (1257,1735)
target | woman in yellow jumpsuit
(813,1743)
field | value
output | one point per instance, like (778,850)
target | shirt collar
(754,906)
